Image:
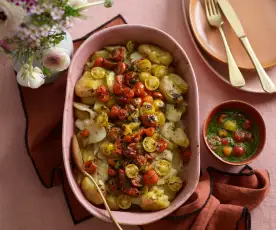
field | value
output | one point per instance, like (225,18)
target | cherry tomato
(225,141)
(138,181)
(132,138)
(141,160)
(134,192)
(114,111)
(150,177)
(248,136)
(111,172)
(113,186)
(158,95)
(129,107)
(150,120)
(120,79)
(90,166)
(148,99)
(239,135)
(98,62)
(121,68)
(121,174)
(122,114)
(131,78)
(128,93)
(221,118)
(247,124)
(238,150)
(84,133)
(129,153)
(149,131)
(112,162)
(114,133)
(123,100)
(161,145)
(137,102)
(103,94)
(118,54)
(109,64)
(139,89)
(187,154)
(118,89)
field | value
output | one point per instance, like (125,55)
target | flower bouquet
(31,31)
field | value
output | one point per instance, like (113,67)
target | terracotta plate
(258,20)
(221,69)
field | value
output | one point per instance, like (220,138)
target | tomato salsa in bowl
(234,132)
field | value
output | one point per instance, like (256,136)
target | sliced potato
(82,115)
(100,53)
(90,191)
(155,54)
(170,91)
(173,114)
(179,82)
(86,86)
(89,100)
(181,138)
(110,80)
(112,202)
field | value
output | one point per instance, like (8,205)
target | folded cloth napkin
(221,201)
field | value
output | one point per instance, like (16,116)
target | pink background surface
(26,204)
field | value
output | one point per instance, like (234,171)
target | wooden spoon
(77,157)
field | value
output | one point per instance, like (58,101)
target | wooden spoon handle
(104,200)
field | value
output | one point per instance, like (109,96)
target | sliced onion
(96,133)
(85,108)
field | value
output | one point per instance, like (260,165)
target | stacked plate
(258,19)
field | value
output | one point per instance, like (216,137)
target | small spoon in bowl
(77,157)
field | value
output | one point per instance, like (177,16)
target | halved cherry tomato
(238,150)
(129,153)
(98,62)
(112,184)
(84,133)
(122,100)
(109,64)
(151,156)
(103,94)
(129,107)
(150,120)
(134,192)
(122,114)
(221,118)
(149,131)
(120,79)
(114,111)
(118,54)
(247,124)
(114,133)
(139,89)
(132,138)
(157,95)
(111,172)
(118,89)
(90,166)
(137,102)
(128,93)
(148,99)
(111,162)
(131,78)
(187,154)
(121,68)
(239,135)
(150,177)
(161,145)
(141,160)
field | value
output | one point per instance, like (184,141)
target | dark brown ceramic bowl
(246,109)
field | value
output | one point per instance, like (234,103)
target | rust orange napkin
(221,201)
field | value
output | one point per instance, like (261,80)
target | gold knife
(267,84)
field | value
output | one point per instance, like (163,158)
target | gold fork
(215,20)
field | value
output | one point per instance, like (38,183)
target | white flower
(11,16)
(30,77)
(56,59)
(77,3)
(57,13)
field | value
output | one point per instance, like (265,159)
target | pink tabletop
(26,204)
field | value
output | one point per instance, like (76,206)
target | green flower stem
(31,59)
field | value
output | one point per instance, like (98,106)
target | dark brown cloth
(220,202)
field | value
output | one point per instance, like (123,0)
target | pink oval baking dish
(118,35)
